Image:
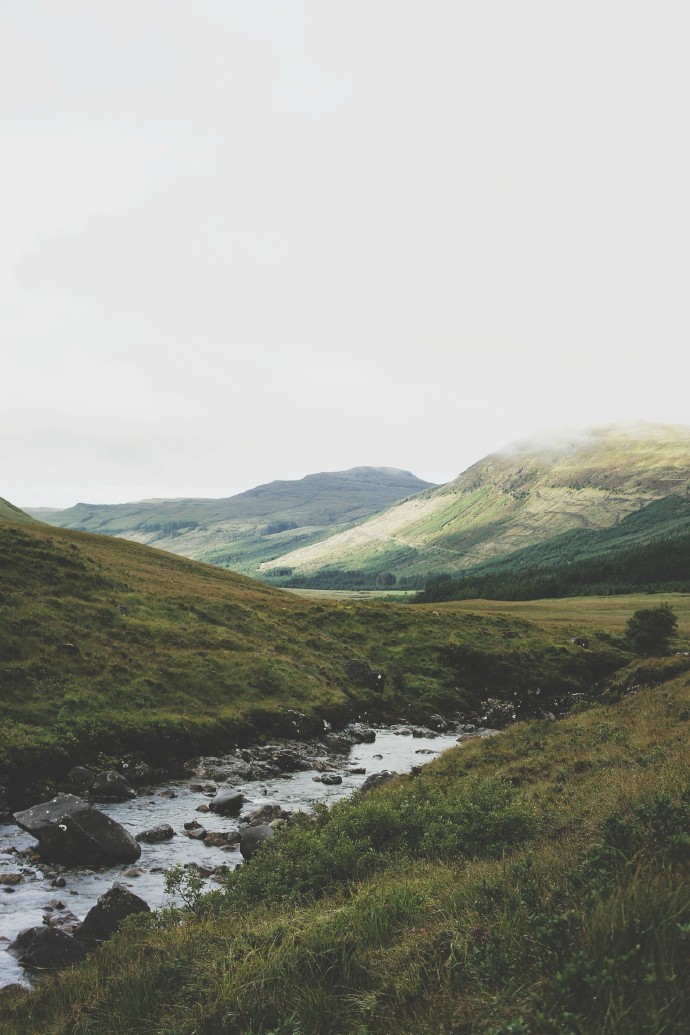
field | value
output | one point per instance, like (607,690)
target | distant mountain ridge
(524,494)
(241,531)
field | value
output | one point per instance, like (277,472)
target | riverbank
(533,882)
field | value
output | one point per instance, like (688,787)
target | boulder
(46,948)
(376,779)
(360,733)
(41,817)
(154,835)
(253,838)
(227,803)
(331,778)
(105,917)
(111,786)
(266,814)
(75,834)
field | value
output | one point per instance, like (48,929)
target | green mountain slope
(111,646)
(648,551)
(8,512)
(242,531)
(509,501)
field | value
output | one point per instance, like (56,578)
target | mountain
(522,495)
(242,531)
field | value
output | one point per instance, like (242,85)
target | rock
(221,839)
(426,751)
(357,770)
(197,833)
(11,878)
(331,778)
(105,917)
(139,773)
(438,723)
(252,839)
(202,808)
(76,834)
(133,871)
(192,824)
(266,814)
(377,779)
(81,777)
(154,835)
(579,641)
(169,792)
(111,786)
(227,803)
(362,734)
(46,948)
(63,920)
(58,882)
(41,817)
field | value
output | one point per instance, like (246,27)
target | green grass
(532,883)
(110,647)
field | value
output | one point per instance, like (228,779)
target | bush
(651,629)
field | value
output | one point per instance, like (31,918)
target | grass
(532,883)
(110,647)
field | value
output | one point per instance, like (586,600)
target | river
(26,902)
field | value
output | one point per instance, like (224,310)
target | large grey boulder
(227,803)
(73,833)
(41,817)
(46,948)
(105,917)
(253,838)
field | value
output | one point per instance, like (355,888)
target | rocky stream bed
(273,781)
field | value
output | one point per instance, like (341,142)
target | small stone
(133,871)
(169,792)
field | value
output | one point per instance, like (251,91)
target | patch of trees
(274,527)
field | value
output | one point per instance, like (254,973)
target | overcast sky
(243,240)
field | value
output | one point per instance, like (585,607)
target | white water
(25,906)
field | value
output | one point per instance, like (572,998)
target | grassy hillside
(509,501)
(533,883)
(242,531)
(110,646)
(648,551)
(8,512)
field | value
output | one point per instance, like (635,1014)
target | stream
(25,903)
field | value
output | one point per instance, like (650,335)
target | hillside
(648,551)
(111,646)
(240,532)
(509,501)
(8,512)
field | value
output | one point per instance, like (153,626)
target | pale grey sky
(243,240)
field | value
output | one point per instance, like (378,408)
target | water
(26,905)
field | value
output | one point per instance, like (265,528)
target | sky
(244,240)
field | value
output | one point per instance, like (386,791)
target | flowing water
(26,903)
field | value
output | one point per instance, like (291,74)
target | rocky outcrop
(105,917)
(73,833)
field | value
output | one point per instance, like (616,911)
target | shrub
(650,630)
